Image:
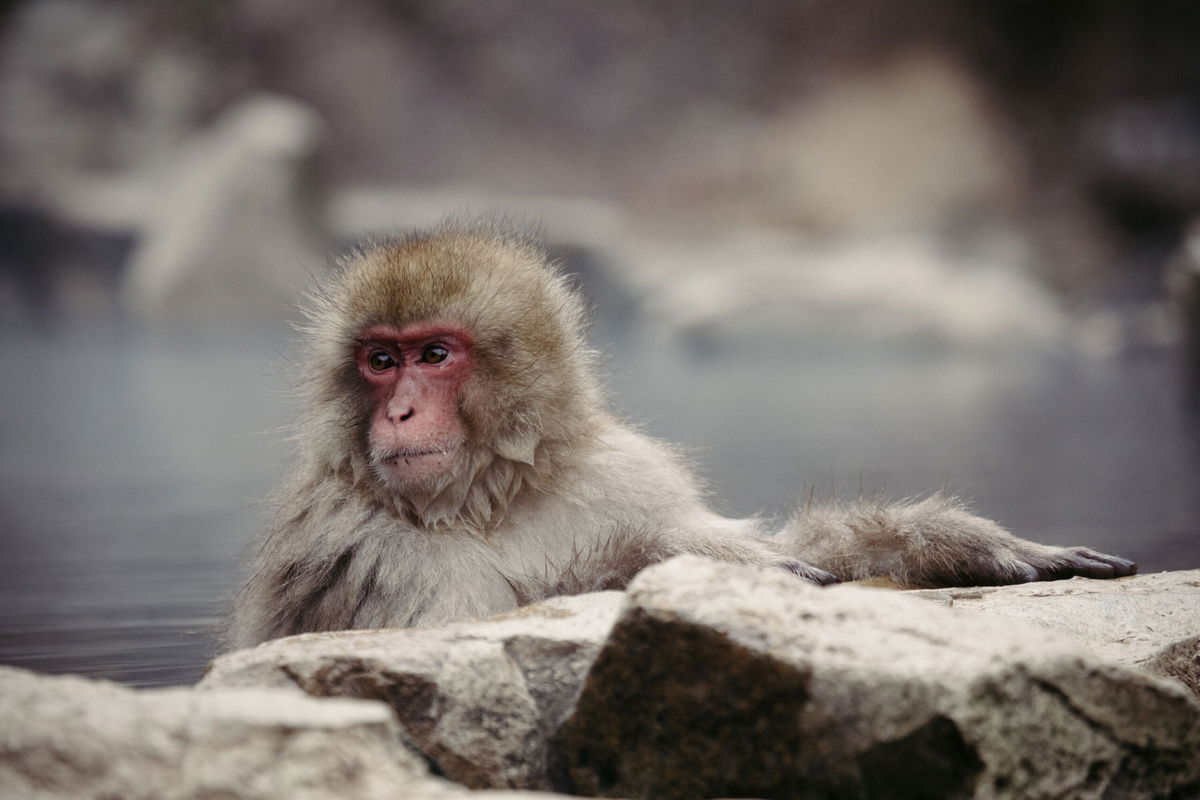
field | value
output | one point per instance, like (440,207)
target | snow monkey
(457,459)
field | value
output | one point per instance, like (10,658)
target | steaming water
(132,465)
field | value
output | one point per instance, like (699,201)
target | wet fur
(553,494)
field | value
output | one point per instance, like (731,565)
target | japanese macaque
(458,460)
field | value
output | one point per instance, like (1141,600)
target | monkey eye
(380,361)
(434,354)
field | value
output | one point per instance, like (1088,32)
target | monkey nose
(402,416)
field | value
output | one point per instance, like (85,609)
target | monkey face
(413,378)
(447,372)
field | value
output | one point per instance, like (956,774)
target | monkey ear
(519,447)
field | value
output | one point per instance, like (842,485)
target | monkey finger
(1089,568)
(810,573)
(1085,563)
(1122,567)
(1062,570)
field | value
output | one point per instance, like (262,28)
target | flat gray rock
(68,737)
(720,680)
(1150,621)
(480,699)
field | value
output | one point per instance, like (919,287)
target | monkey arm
(629,501)
(740,541)
(933,542)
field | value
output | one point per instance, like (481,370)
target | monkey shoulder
(626,474)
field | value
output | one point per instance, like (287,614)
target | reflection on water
(132,465)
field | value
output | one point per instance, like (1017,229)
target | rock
(239,231)
(907,142)
(480,699)
(706,679)
(891,291)
(48,47)
(1148,621)
(360,212)
(77,738)
(912,142)
(721,680)
(1182,278)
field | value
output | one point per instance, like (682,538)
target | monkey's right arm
(633,502)
(931,543)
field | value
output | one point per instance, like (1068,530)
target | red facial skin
(414,376)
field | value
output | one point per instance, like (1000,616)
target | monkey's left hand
(932,543)
(1034,562)
(978,552)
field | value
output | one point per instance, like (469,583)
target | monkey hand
(956,548)
(932,543)
(1033,562)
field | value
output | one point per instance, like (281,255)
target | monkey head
(447,371)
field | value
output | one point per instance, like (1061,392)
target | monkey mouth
(397,457)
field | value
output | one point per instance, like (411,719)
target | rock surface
(909,142)
(480,699)
(705,679)
(1151,621)
(893,290)
(71,737)
(718,680)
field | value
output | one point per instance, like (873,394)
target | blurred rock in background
(907,290)
(1183,290)
(240,226)
(907,143)
(1074,126)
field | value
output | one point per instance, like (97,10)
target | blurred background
(875,247)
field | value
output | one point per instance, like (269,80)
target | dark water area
(133,463)
(132,467)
